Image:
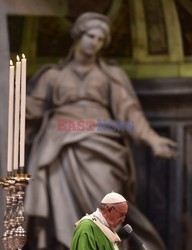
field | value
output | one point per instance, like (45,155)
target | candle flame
(11,63)
(18,58)
(23,56)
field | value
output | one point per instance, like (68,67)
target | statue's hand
(165,148)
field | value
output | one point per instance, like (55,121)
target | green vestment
(88,236)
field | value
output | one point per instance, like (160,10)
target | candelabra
(14,237)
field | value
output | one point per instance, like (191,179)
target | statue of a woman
(76,159)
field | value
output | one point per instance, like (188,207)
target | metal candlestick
(14,237)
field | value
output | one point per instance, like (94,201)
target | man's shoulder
(87,223)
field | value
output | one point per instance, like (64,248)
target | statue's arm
(126,107)
(40,98)
(38,102)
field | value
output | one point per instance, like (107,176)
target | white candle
(17,110)
(10,118)
(23,110)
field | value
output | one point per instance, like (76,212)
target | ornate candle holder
(14,237)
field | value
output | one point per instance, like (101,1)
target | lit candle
(10,118)
(17,109)
(23,110)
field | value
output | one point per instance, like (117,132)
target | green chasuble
(88,236)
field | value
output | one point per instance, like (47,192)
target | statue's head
(88,21)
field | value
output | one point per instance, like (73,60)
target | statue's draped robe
(80,167)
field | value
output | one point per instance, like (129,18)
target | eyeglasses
(120,213)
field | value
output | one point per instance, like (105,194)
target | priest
(97,230)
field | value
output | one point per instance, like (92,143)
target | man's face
(91,42)
(115,214)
